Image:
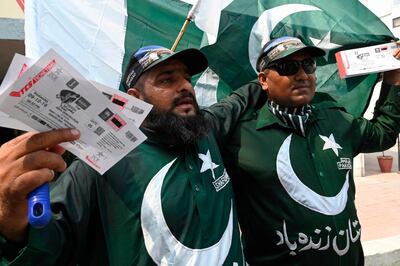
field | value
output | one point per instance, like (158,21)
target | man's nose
(301,74)
(185,85)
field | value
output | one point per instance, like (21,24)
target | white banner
(89,34)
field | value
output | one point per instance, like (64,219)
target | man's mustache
(301,84)
(182,97)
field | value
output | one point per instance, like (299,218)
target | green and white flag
(331,25)
(97,36)
(206,15)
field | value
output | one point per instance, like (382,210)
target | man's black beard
(179,129)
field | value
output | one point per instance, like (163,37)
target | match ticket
(367,60)
(52,94)
(135,109)
(18,66)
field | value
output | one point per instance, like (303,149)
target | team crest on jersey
(344,164)
(219,182)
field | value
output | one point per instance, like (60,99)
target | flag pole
(180,35)
(189,18)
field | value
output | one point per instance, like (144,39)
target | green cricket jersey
(162,204)
(295,195)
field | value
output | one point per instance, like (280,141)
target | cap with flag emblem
(149,56)
(282,47)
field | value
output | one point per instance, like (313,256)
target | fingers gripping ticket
(29,152)
(31,142)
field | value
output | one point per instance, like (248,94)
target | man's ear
(263,79)
(135,93)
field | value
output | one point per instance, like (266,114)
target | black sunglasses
(291,67)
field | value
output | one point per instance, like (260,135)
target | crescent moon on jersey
(303,194)
(267,22)
(162,245)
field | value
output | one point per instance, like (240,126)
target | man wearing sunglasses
(291,162)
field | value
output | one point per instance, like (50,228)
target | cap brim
(311,50)
(192,58)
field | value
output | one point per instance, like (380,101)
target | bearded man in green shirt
(291,162)
(168,202)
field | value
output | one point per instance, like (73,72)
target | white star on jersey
(207,163)
(330,143)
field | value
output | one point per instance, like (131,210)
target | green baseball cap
(282,47)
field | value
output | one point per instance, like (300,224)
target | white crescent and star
(302,194)
(162,245)
(259,35)
(269,19)
(325,42)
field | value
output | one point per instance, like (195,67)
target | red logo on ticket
(34,80)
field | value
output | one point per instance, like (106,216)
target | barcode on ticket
(137,110)
(130,136)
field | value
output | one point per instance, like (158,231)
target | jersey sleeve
(225,114)
(382,130)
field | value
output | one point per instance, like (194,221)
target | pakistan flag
(331,25)
(97,37)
